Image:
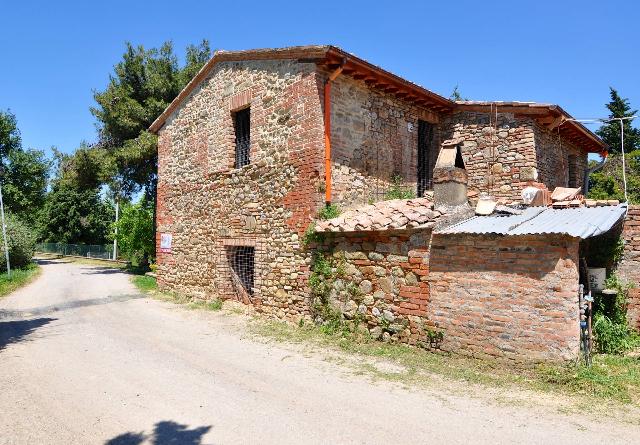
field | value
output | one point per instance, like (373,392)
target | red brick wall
(512,297)
(507,297)
(629,269)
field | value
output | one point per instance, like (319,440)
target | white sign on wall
(165,242)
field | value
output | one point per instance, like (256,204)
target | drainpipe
(595,168)
(327,131)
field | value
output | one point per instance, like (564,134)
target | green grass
(148,285)
(213,305)
(18,278)
(611,378)
(145,283)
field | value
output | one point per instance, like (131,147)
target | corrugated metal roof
(581,222)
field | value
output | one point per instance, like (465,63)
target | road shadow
(16,331)
(43,261)
(74,304)
(105,270)
(164,433)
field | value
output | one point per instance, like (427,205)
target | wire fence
(84,250)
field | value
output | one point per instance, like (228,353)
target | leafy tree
(9,134)
(21,241)
(24,180)
(23,173)
(135,232)
(74,215)
(610,131)
(455,94)
(143,84)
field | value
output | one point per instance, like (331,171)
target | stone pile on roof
(396,214)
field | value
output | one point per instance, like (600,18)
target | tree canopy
(607,183)
(23,172)
(143,84)
(610,132)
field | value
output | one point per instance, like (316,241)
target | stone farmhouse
(261,140)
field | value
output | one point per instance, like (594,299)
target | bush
(21,241)
(329,212)
(398,190)
(612,337)
(135,232)
(610,326)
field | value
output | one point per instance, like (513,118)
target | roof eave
(592,143)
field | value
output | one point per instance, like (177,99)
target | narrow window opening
(572,170)
(425,142)
(242,121)
(242,261)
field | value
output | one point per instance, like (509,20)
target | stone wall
(505,297)
(374,136)
(553,155)
(390,271)
(629,268)
(503,158)
(209,206)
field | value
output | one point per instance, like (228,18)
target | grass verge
(149,286)
(611,378)
(18,278)
(145,283)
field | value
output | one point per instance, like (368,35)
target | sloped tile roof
(396,214)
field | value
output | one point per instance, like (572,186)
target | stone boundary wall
(629,268)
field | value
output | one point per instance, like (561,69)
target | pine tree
(610,131)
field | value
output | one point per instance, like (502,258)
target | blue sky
(54,54)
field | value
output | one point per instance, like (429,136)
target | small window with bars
(242,262)
(242,121)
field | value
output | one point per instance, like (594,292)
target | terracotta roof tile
(396,214)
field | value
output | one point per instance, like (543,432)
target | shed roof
(396,214)
(581,222)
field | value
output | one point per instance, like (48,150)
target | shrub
(398,190)
(610,326)
(135,232)
(329,211)
(21,241)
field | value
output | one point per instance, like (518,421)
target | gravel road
(84,359)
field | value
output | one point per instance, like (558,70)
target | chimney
(450,177)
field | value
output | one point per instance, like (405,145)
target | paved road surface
(84,359)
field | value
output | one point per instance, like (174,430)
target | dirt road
(85,359)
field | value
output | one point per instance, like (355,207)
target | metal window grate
(242,121)
(425,142)
(242,260)
(572,167)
